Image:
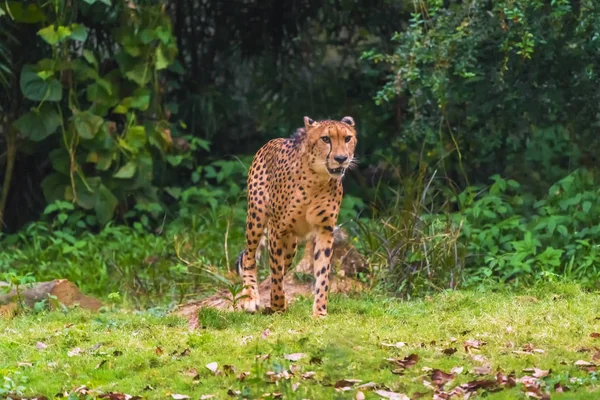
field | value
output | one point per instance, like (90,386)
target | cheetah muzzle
(294,191)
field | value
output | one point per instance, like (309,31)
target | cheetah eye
(326,139)
(347,139)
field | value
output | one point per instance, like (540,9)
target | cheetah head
(331,146)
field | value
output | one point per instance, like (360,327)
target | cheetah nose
(340,159)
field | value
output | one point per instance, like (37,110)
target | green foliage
(184,259)
(102,123)
(497,87)
(513,238)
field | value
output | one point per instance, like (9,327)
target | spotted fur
(295,191)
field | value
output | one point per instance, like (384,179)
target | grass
(158,356)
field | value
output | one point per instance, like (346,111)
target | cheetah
(294,192)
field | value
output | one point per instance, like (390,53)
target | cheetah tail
(238,262)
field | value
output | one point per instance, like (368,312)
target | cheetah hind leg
(250,296)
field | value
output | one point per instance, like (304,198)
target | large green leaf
(106,202)
(54,186)
(54,34)
(87,124)
(37,89)
(161,60)
(25,13)
(135,139)
(140,73)
(37,125)
(61,162)
(79,32)
(126,171)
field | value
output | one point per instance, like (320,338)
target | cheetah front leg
(323,250)
(282,249)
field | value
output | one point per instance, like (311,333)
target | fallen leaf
(440,378)
(243,376)
(346,383)
(234,393)
(179,396)
(212,366)
(560,388)
(295,386)
(192,372)
(228,369)
(368,385)
(392,395)
(308,375)
(582,363)
(595,335)
(449,351)
(540,373)
(359,396)
(158,351)
(457,370)
(483,370)
(184,353)
(506,380)
(294,356)
(397,344)
(262,357)
(40,346)
(207,396)
(265,334)
(75,352)
(479,358)
(316,360)
(246,339)
(101,364)
(24,364)
(406,362)
(473,344)
(118,396)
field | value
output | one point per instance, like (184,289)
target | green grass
(119,349)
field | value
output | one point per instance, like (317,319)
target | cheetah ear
(308,122)
(348,120)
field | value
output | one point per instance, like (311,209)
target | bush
(511,237)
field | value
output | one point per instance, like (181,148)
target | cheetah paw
(251,302)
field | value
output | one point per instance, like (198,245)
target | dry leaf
(179,396)
(158,351)
(359,396)
(392,395)
(40,346)
(75,352)
(473,344)
(406,362)
(595,335)
(483,370)
(397,344)
(449,351)
(343,383)
(308,375)
(207,396)
(294,356)
(581,363)
(24,364)
(457,370)
(246,339)
(440,378)
(212,366)
(265,334)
